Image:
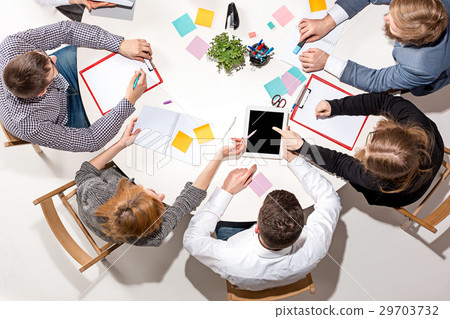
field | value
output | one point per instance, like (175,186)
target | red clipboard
(83,72)
(301,101)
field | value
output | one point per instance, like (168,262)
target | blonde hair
(419,21)
(400,154)
(131,213)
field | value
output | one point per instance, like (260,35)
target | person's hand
(323,109)
(137,49)
(129,136)
(313,60)
(238,179)
(236,149)
(315,29)
(92,4)
(291,141)
(132,95)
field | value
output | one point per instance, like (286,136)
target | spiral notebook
(173,134)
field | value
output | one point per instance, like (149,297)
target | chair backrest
(61,233)
(11,140)
(306,283)
(439,214)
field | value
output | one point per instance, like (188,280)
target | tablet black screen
(265,140)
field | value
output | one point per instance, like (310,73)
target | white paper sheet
(125,3)
(108,80)
(344,129)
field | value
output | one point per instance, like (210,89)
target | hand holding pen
(136,87)
(241,142)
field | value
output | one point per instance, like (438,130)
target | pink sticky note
(283,16)
(252,34)
(260,184)
(291,82)
(198,47)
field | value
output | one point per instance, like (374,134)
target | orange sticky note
(182,141)
(317,5)
(204,17)
(204,134)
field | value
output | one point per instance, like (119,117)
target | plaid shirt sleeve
(82,139)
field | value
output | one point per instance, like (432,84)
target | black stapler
(233,15)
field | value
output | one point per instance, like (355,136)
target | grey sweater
(96,187)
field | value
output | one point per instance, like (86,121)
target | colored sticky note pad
(297,73)
(260,184)
(204,17)
(283,16)
(271,25)
(182,141)
(252,34)
(184,25)
(198,47)
(317,5)
(204,133)
(291,82)
(276,86)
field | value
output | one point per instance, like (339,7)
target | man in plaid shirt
(41,105)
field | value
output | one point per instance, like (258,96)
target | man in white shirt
(279,249)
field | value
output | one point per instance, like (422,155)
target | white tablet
(265,142)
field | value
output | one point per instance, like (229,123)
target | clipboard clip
(302,98)
(149,65)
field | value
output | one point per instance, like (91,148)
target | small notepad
(204,17)
(283,16)
(182,141)
(317,5)
(204,134)
(260,184)
(276,86)
(184,25)
(198,47)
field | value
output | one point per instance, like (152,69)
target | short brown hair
(400,154)
(280,219)
(419,21)
(25,75)
(131,213)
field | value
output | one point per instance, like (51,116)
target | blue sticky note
(297,73)
(271,25)
(184,25)
(276,86)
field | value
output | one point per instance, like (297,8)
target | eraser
(252,34)
(271,25)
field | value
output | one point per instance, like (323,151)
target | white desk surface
(198,89)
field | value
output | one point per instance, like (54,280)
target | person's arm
(197,238)
(352,7)
(395,107)
(322,222)
(394,77)
(95,136)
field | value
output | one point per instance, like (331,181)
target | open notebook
(173,134)
(107,79)
(343,130)
(326,44)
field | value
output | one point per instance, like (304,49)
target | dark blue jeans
(225,230)
(67,65)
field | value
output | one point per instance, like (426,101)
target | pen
(245,138)
(268,51)
(300,46)
(137,79)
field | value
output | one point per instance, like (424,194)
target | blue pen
(268,51)
(259,43)
(137,79)
(252,48)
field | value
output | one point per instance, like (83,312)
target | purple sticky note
(291,82)
(260,184)
(198,47)
(283,16)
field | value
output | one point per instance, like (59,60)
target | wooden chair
(61,233)
(306,283)
(13,141)
(438,215)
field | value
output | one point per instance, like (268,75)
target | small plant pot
(259,62)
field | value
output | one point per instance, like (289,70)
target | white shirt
(243,261)
(52,3)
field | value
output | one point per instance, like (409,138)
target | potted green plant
(228,53)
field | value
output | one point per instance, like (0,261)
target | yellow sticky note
(204,134)
(317,5)
(182,141)
(204,17)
